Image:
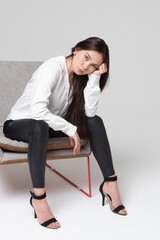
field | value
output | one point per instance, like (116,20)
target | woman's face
(86,61)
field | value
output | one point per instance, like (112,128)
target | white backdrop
(35,30)
(40,29)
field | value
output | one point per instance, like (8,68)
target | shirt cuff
(93,79)
(70,130)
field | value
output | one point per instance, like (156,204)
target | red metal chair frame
(80,189)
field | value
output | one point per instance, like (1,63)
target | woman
(61,99)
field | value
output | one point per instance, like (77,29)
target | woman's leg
(101,150)
(36,133)
(100,145)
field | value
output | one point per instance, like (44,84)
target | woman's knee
(39,127)
(94,121)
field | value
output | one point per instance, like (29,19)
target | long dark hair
(75,112)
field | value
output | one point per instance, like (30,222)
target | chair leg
(80,189)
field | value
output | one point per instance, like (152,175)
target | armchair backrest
(14,75)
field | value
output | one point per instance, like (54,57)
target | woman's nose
(85,66)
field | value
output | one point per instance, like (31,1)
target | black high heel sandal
(46,223)
(117,209)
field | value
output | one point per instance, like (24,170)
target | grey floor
(136,160)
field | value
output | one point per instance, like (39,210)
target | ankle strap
(110,179)
(38,197)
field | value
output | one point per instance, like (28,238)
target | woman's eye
(94,66)
(86,57)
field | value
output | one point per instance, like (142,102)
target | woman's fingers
(76,148)
(71,141)
(102,69)
(77,143)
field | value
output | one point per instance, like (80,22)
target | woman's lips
(80,70)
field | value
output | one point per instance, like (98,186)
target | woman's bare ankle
(39,191)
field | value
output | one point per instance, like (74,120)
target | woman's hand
(102,69)
(75,141)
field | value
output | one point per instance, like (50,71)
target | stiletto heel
(46,223)
(35,215)
(103,199)
(105,195)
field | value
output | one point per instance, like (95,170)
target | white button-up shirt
(46,96)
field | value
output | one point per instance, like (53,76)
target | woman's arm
(92,91)
(48,75)
(92,94)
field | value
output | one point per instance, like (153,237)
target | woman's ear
(76,51)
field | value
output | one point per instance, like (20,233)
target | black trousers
(37,132)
